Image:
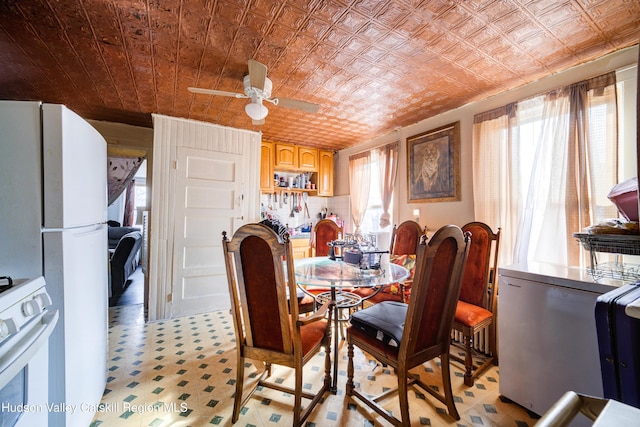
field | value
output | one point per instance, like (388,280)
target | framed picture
(433,165)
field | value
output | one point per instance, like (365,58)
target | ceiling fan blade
(299,105)
(257,122)
(257,74)
(216,92)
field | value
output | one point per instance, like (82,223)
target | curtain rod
(379,147)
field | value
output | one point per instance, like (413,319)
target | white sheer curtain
(359,183)
(388,167)
(547,166)
(544,208)
(496,175)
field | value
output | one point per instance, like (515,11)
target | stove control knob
(7,327)
(31,307)
(44,300)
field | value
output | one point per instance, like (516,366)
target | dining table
(338,277)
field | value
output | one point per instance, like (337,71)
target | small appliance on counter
(360,251)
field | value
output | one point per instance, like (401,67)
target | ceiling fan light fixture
(256,110)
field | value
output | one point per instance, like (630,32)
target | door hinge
(169,297)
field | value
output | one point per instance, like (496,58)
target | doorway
(125,215)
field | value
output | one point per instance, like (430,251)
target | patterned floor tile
(181,372)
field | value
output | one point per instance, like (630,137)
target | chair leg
(403,397)
(237,400)
(327,360)
(468,358)
(350,385)
(446,384)
(297,403)
(492,342)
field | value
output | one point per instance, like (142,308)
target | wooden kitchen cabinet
(286,156)
(307,159)
(300,248)
(325,173)
(293,159)
(267,162)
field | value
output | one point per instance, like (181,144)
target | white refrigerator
(53,196)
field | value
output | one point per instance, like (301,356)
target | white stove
(26,322)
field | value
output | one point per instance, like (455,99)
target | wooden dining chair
(405,239)
(404,336)
(323,232)
(267,323)
(477,303)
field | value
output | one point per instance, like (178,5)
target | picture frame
(433,165)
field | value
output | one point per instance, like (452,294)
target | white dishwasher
(547,335)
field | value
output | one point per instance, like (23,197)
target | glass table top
(322,271)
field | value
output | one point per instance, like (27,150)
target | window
(371,221)
(140,192)
(373,174)
(543,168)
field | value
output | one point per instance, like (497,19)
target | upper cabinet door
(266,167)
(325,173)
(286,156)
(308,159)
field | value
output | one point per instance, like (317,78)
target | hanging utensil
(292,205)
(305,197)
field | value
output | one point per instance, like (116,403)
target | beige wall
(434,215)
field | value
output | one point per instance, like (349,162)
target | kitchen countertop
(569,277)
(301,236)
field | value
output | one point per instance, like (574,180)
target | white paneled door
(209,200)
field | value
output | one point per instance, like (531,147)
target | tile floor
(181,372)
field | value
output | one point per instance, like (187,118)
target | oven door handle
(21,353)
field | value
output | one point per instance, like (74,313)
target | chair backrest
(258,288)
(434,295)
(480,278)
(324,232)
(405,238)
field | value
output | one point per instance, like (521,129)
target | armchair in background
(115,233)
(124,260)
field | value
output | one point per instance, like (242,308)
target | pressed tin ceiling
(372,66)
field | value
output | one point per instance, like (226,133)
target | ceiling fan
(257,87)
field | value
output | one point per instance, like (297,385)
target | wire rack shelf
(618,244)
